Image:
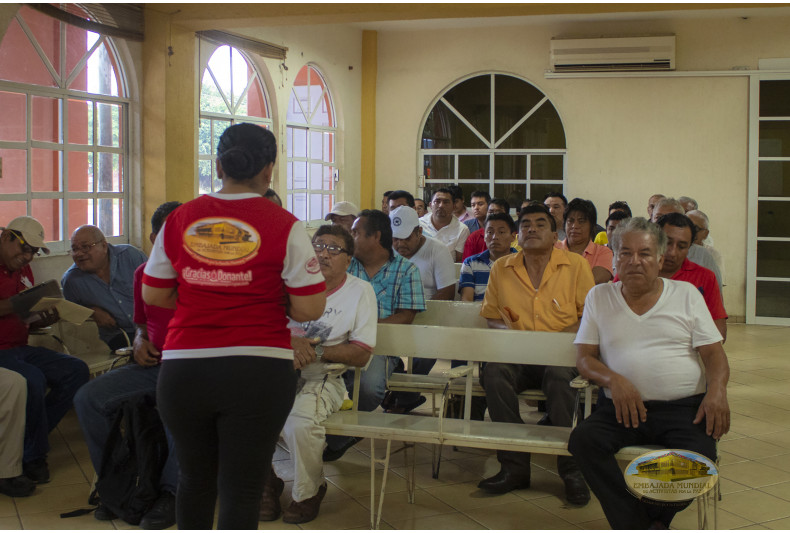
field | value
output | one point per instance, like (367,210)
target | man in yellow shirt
(540,289)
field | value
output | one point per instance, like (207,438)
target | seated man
(399,297)
(345,334)
(681,232)
(97,402)
(343,214)
(101,279)
(704,239)
(615,207)
(437,272)
(476,243)
(479,203)
(442,225)
(420,207)
(43,369)
(399,198)
(540,289)
(580,221)
(13,392)
(642,340)
(500,230)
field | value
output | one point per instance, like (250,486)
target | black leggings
(225,415)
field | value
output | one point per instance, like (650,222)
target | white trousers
(305,436)
(13,401)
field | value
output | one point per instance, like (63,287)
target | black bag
(133,458)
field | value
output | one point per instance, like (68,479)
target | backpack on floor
(132,461)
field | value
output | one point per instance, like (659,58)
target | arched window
(496,133)
(311,130)
(65,128)
(231,91)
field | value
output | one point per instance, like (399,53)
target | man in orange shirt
(544,289)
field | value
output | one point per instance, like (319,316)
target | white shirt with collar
(453,235)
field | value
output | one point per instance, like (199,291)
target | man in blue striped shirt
(500,230)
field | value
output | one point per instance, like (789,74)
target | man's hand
(145,354)
(46,318)
(103,318)
(716,412)
(304,351)
(628,406)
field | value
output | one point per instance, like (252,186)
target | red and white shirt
(234,258)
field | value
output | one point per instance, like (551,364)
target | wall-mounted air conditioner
(613,54)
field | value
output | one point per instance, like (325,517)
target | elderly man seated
(345,335)
(102,278)
(540,289)
(651,344)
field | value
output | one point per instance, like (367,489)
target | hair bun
(238,163)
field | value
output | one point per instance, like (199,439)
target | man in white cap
(437,272)
(20,241)
(343,214)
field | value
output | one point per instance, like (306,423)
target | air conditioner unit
(613,54)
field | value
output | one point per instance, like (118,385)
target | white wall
(627,138)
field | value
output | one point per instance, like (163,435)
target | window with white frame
(311,134)
(65,128)
(230,92)
(496,133)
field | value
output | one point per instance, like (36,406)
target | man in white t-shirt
(437,272)
(344,335)
(443,226)
(645,340)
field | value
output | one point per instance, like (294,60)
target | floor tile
(783,523)
(601,523)
(397,507)
(453,521)
(7,507)
(750,448)
(54,498)
(782,462)
(575,514)
(52,520)
(358,484)
(352,462)
(780,490)
(687,519)
(465,496)
(753,474)
(523,515)
(449,473)
(755,506)
(10,522)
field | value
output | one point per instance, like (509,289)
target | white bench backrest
(453,314)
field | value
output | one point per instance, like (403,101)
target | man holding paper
(20,241)
(540,289)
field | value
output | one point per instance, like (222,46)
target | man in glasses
(346,334)
(101,278)
(52,378)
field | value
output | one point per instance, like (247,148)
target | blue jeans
(372,388)
(98,402)
(42,369)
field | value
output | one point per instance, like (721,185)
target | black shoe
(103,513)
(333,455)
(17,487)
(503,482)
(163,514)
(37,470)
(576,491)
(405,409)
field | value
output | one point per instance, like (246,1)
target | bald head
(651,204)
(700,220)
(666,206)
(688,203)
(89,249)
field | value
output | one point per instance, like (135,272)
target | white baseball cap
(343,209)
(403,220)
(31,230)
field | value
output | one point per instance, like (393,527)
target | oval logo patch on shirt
(225,241)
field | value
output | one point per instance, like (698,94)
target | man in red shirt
(476,243)
(680,232)
(52,377)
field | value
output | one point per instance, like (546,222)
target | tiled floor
(755,470)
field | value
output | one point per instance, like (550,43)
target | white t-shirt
(453,235)
(350,315)
(436,265)
(657,350)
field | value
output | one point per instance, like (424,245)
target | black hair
(159,216)
(456,191)
(337,231)
(397,195)
(621,206)
(556,194)
(443,190)
(504,217)
(375,220)
(501,202)
(585,207)
(387,193)
(678,220)
(538,208)
(481,194)
(245,149)
(617,215)
(272,195)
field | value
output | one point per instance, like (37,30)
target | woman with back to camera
(235,266)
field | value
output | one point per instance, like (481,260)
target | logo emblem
(221,241)
(312,266)
(671,475)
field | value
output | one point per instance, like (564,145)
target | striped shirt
(475,271)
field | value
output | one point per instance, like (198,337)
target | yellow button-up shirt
(556,304)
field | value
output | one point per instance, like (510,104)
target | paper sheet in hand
(68,311)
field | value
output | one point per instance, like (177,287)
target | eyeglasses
(26,248)
(331,248)
(83,248)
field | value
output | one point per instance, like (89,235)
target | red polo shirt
(13,332)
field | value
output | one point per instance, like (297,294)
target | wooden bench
(437,342)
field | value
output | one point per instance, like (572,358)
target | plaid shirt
(397,285)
